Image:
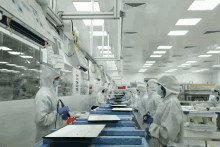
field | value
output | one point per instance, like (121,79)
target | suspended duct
(138,5)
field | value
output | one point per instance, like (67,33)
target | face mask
(159,91)
(56,83)
(216,95)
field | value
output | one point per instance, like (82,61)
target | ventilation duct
(128,46)
(211,32)
(129,33)
(168,62)
(195,65)
(139,5)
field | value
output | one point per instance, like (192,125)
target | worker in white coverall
(100,97)
(134,97)
(46,104)
(167,127)
(141,87)
(153,98)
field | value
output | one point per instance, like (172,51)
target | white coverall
(100,98)
(46,104)
(168,127)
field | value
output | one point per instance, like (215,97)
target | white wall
(198,78)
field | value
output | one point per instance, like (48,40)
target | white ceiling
(153,24)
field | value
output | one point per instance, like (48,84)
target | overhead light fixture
(218,47)
(142,70)
(96,22)
(86,6)
(205,56)
(191,61)
(213,52)
(108,56)
(148,64)
(158,56)
(177,33)
(188,22)
(5,48)
(216,65)
(185,64)
(150,61)
(106,52)
(181,66)
(11,64)
(26,56)
(164,47)
(205,69)
(105,47)
(159,52)
(3,69)
(15,53)
(20,66)
(204,5)
(3,62)
(196,71)
(99,33)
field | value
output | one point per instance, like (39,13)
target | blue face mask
(216,95)
(159,91)
(56,83)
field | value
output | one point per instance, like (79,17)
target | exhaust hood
(76,58)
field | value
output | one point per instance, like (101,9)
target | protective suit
(167,128)
(46,104)
(153,98)
(134,97)
(100,98)
(143,98)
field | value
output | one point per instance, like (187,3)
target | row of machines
(111,124)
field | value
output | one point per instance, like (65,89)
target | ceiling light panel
(142,70)
(177,33)
(148,64)
(189,22)
(157,56)
(105,52)
(191,61)
(159,52)
(150,61)
(213,52)
(205,56)
(105,47)
(216,65)
(96,22)
(185,64)
(204,5)
(5,48)
(26,56)
(99,33)
(164,47)
(181,66)
(86,6)
(15,53)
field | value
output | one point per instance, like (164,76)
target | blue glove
(108,103)
(63,110)
(148,136)
(64,117)
(135,110)
(147,118)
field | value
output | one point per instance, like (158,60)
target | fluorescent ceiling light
(99,33)
(148,64)
(218,47)
(196,71)
(205,56)
(164,47)
(158,56)
(159,52)
(105,47)
(106,52)
(3,62)
(204,5)
(26,56)
(4,48)
(32,69)
(142,70)
(216,65)
(108,56)
(185,64)
(181,66)
(15,53)
(172,69)
(189,22)
(213,52)
(191,61)
(20,66)
(96,22)
(86,6)
(3,69)
(168,71)
(177,33)
(150,61)
(11,64)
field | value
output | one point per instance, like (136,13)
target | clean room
(100,73)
